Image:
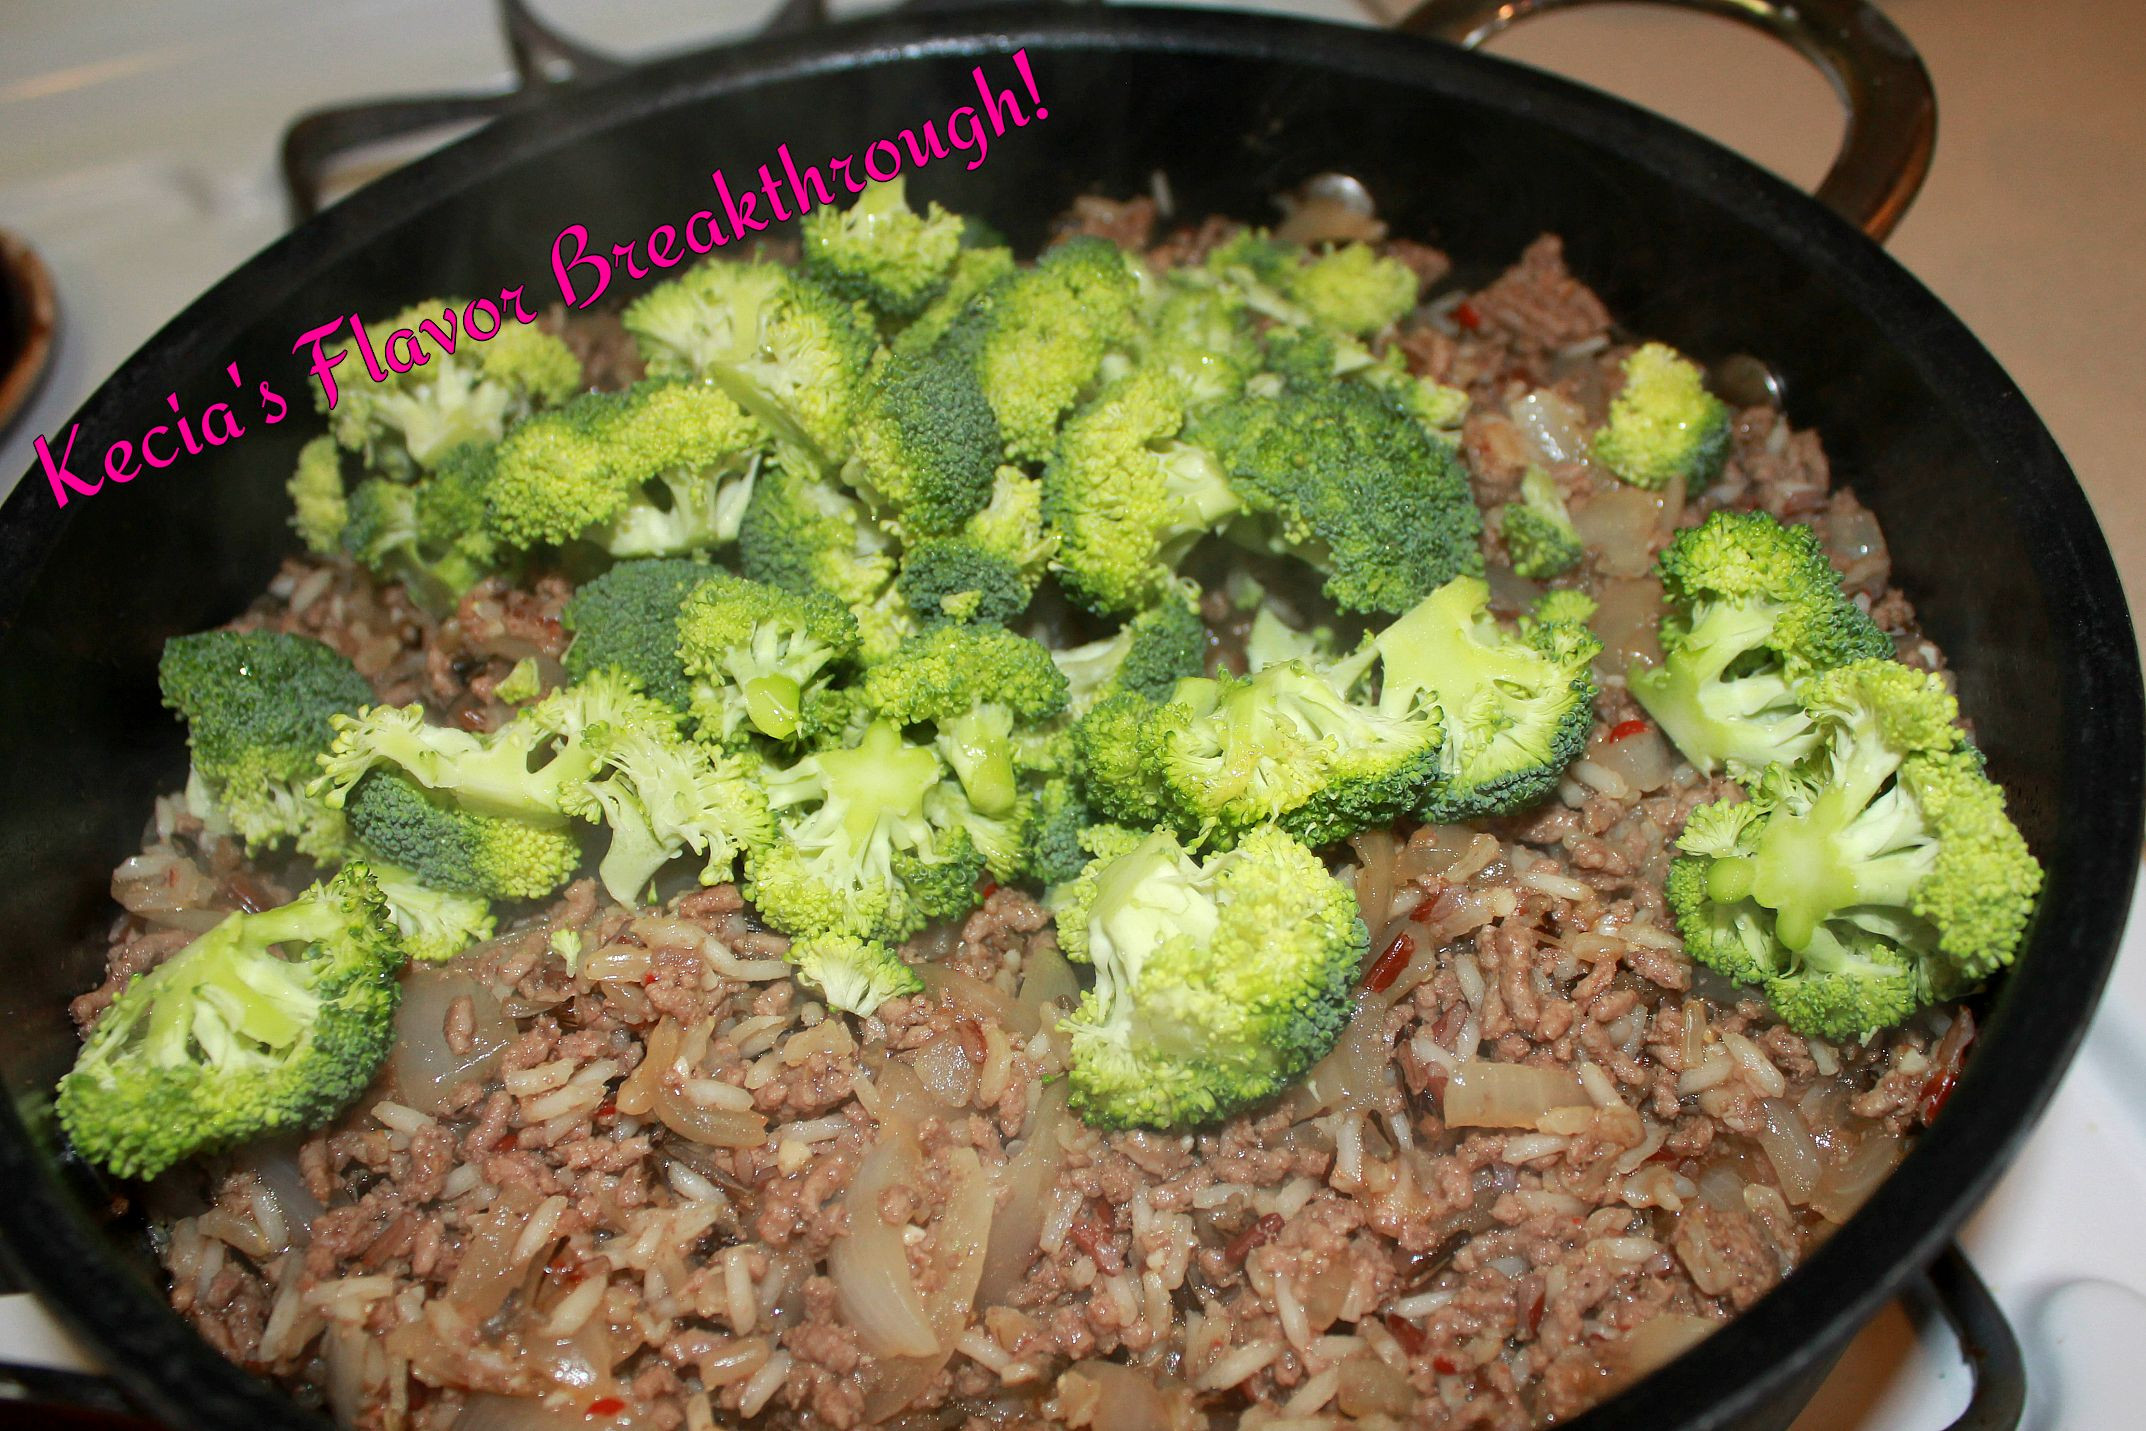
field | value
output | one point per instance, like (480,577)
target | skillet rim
(46,1235)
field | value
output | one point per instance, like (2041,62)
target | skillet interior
(1990,534)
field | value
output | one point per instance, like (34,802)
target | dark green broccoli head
(1349,482)
(949,670)
(454,850)
(881,251)
(926,443)
(259,707)
(960,580)
(1040,337)
(269,1022)
(628,618)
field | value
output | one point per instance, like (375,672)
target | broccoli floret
(805,536)
(1114,759)
(856,848)
(851,974)
(662,795)
(1285,746)
(1215,983)
(1754,607)
(457,851)
(791,352)
(435,924)
(1539,536)
(976,271)
(1201,333)
(628,618)
(1055,854)
(268,1022)
(1347,481)
(1040,338)
(753,652)
(1128,498)
(881,251)
(1664,424)
(1878,874)
(430,535)
(318,508)
(1355,290)
(407,422)
(259,708)
(959,580)
(1566,604)
(926,443)
(1515,709)
(1272,641)
(1149,655)
(664,468)
(973,685)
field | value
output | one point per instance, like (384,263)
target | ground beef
(577,1222)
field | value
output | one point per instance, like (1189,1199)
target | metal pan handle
(1892,110)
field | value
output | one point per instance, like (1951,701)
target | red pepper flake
(503,1142)
(1445,1365)
(1406,1332)
(1259,1234)
(1390,962)
(1626,729)
(1937,1093)
(607,1109)
(1465,314)
(604,1406)
(1950,1051)
(986,887)
(1531,1310)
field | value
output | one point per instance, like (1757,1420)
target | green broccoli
(664,468)
(976,271)
(790,351)
(430,535)
(1271,641)
(404,424)
(1128,497)
(1149,654)
(1877,875)
(851,974)
(318,508)
(753,652)
(1054,854)
(1216,983)
(259,708)
(926,443)
(1354,289)
(1664,424)
(1540,539)
(1040,338)
(805,536)
(1341,477)
(860,844)
(662,795)
(974,685)
(881,251)
(1754,607)
(269,1022)
(435,924)
(628,618)
(1284,746)
(1114,759)
(457,851)
(1515,709)
(1201,333)
(955,579)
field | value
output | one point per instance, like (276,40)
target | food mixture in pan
(1206,830)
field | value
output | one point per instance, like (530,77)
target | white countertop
(142,166)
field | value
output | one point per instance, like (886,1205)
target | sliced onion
(1854,541)
(425,1068)
(1369,1387)
(943,1067)
(489,1270)
(1553,424)
(1790,1148)
(1628,618)
(1620,526)
(960,1235)
(1654,1344)
(1025,1183)
(166,889)
(713,1127)
(1846,1186)
(636,1097)
(1374,875)
(1357,1072)
(870,1264)
(1481,1094)
(905,1101)
(1643,761)
(1126,1398)
(1046,978)
(969,994)
(274,1164)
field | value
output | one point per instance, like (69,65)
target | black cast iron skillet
(1990,534)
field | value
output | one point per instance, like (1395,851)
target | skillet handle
(1999,1400)
(1892,110)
